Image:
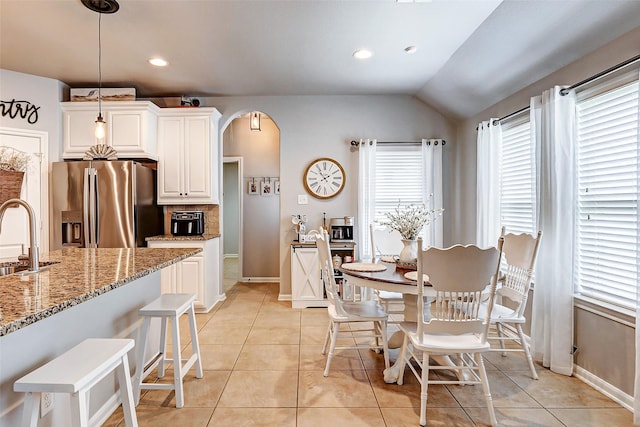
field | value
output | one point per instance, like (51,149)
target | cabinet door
(168,279)
(79,132)
(170,143)
(197,141)
(124,131)
(191,278)
(306,286)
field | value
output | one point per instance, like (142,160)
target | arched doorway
(251,173)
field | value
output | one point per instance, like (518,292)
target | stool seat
(168,307)
(75,372)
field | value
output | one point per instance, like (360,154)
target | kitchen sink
(14,267)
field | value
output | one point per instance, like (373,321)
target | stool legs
(140,374)
(195,345)
(31,409)
(128,407)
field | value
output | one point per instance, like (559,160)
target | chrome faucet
(34,264)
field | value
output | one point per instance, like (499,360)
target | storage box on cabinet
(199,274)
(132,128)
(189,155)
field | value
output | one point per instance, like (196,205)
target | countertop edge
(35,317)
(170,237)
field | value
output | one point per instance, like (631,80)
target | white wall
(322,126)
(43,93)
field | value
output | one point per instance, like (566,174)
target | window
(518,178)
(607,205)
(398,178)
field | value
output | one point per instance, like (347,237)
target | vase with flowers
(409,221)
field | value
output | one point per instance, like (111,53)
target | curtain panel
(432,193)
(636,391)
(366,193)
(553,126)
(488,159)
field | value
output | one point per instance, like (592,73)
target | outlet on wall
(46,403)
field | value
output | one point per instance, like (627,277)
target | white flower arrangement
(13,160)
(411,219)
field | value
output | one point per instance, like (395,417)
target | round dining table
(393,279)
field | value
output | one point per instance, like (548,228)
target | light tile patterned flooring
(263,367)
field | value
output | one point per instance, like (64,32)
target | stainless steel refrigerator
(105,204)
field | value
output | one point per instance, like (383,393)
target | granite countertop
(182,238)
(80,275)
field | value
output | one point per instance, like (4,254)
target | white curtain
(636,392)
(488,183)
(432,191)
(366,193)
(553,126)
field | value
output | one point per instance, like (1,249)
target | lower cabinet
(199,274)
(307,289)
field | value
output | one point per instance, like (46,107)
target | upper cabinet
(189,154)
(132,128)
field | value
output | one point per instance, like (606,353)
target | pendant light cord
(99,65)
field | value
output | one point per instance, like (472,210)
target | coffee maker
(341,229)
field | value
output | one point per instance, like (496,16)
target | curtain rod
(355,143)
(574,86)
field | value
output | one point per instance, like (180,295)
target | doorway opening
(232,214)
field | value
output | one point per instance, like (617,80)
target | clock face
(324,178)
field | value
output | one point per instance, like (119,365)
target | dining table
(368,274)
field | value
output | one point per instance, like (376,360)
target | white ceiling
(471,53)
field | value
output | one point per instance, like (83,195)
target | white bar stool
(76,372)
(168,306)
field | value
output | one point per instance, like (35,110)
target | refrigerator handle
(92,208)
(85,209)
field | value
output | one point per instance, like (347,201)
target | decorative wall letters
(23,109)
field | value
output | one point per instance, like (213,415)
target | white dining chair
(460,276)
(368,313)
(520,253)
(386,242)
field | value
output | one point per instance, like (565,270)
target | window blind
(517,179)
(398,178)
(607,223)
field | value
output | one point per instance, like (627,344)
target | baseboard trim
(225,256)
(604,387)
(284,297)
(259,279)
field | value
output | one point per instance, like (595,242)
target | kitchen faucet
(34,264)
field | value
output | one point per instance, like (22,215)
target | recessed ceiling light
(362,54)
(158,62)
(410,49)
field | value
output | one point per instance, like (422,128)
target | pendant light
(101,6)
(254,121)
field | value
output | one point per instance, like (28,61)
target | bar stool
(75,372)
(168,306)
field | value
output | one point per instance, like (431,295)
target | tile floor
(263,367)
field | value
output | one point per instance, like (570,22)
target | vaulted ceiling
(470,53)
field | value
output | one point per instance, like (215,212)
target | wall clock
(324,178)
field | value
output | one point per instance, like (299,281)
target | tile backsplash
(211,216)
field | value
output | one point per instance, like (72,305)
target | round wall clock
(324,178)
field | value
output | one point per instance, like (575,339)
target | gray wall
(605,346)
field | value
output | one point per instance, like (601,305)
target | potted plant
(13,165)
(409,221)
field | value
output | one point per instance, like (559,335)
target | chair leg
(31,409)
(385,342)
(124,381)
(334,339)
(402,359)
(501,337)
(327,336)
(424,388)
(485,389)
(527,352)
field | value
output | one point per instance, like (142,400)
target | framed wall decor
(276,186)
(266,187)
(252,188)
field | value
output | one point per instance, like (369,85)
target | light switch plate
(303,199)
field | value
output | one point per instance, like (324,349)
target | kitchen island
(85,293)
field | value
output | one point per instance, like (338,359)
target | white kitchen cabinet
(132,128)
(199,274)
(189,153)
(307,289)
